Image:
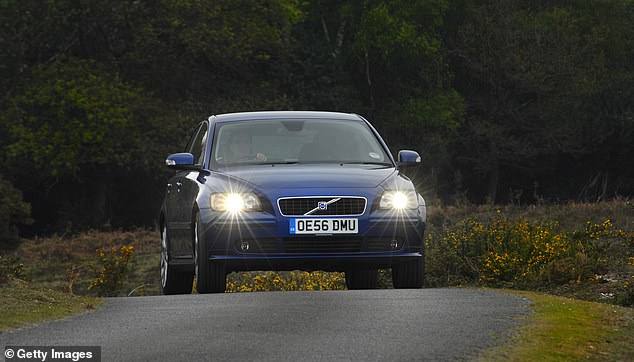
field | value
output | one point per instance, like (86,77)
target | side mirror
(181,161)
(407,158)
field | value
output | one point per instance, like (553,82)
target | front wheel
(173,281)
(210,277)
(409,275)
(362,279)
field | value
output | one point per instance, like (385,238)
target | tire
(173,281)
(210,277)
(362,279)
(409,275)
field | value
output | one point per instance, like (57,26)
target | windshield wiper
(280,163)
(367,163)
(261,163)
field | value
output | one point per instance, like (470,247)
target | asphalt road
(389,325)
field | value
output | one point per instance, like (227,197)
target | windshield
(296,141)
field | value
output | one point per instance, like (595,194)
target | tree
(76,122)
(95,94)
(531,74)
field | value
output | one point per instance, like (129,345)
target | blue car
(290,191)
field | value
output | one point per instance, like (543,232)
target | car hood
(313,176)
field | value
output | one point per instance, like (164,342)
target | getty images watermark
(53,353)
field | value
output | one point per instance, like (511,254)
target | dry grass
(24,304)
(58,262)
(570,215)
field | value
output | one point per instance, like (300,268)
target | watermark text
(53,353)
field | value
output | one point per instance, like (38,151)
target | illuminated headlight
(399,200)
(234,202)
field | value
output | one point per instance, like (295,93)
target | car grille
(300,206)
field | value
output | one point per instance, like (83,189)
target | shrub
(273,281)
(13,213)
(520,253)
(114,269)
(11,267)
(625,296)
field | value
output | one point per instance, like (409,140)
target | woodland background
(507,101)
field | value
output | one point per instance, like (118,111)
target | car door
(178,231)
(170,211)
(187,191)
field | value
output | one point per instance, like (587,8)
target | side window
(192,137)
(197,147)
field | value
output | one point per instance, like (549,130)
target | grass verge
(24,304)
(568,329)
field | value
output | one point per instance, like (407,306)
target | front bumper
(384,239)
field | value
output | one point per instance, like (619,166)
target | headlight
(234,202)
(399,200)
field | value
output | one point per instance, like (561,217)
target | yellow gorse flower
(113,270)
(273,281)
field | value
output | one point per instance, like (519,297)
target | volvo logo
(322,205)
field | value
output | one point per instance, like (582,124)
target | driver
(240,149)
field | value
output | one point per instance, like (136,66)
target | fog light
(394,244)
(244,246)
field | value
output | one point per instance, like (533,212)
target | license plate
(324,226)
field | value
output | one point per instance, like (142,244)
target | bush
(625,296)
(295,280)
(13,213)
(114,270)
(523,254)
(273,281)
(10,268)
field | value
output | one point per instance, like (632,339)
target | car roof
(243,116)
